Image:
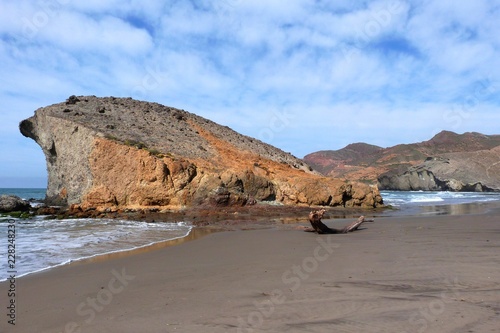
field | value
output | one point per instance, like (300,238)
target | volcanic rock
(119,152)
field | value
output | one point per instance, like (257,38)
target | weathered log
(355,225)
(319,227)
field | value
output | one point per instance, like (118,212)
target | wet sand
(399,274)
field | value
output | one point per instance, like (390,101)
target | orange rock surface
(110,153)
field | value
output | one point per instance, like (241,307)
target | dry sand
(399,274)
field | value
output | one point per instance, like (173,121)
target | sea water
(37,194)
(403,199)
(41,244)
(412,203)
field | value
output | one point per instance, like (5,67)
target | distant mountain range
(448,161)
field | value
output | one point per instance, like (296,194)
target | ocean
(25,193)
(438,203)
(41,244)
(405,199)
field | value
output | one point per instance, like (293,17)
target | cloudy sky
(303,75)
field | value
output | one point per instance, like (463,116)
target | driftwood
(319,227)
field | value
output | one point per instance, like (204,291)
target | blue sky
(302,75)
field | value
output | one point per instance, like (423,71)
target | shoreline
(248,279)
(193,234)
(257,276)
(229,220)
(446,209)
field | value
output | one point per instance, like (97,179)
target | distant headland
(447,162)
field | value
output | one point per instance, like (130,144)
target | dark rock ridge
(449,161)
(118,152)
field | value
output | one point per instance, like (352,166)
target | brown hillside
(369,162)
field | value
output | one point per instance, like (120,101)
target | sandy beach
(399,274)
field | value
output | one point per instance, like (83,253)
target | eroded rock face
(402,167)
(458,172)
(118,152)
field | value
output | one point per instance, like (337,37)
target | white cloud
(102,35)
(453,37)
(384,72)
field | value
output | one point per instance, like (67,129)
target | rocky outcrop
(12,203)
(118,152)
(449,161)
(459,172)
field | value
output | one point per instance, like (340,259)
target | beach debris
(319,227)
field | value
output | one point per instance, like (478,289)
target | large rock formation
(449,161)
(119,152)
(473,172)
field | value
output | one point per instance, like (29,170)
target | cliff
(448,161)
(119,152)
(470,171)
